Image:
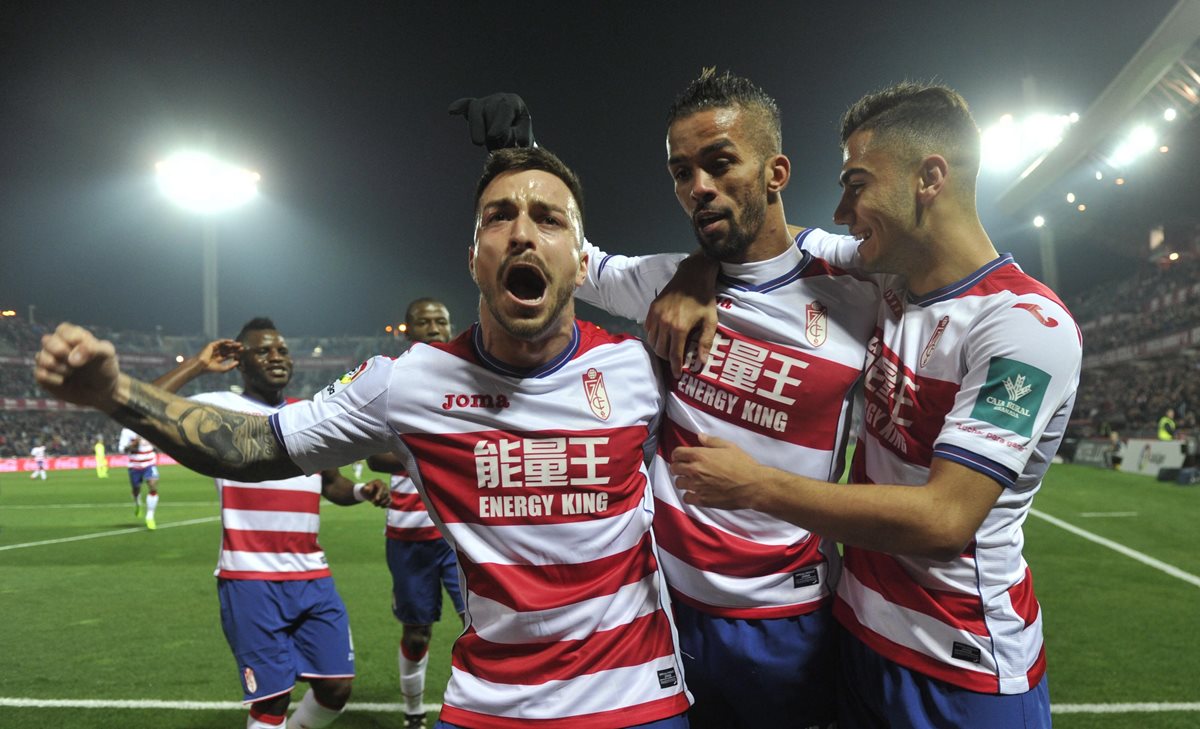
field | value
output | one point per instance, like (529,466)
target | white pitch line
(108,505)
(1130,708)
(115,533)
(1096,514)
(1121,548)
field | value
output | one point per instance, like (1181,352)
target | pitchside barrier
(72,463)
(1148,457)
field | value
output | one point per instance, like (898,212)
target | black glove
(497,120)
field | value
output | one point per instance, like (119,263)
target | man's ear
(471,261)
(932,175)
(779,172)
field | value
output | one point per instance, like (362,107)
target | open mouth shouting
(526,283)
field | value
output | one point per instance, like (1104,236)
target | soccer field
(107,624)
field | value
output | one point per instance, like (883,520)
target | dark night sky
(367,182)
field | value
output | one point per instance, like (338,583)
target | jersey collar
(542,370)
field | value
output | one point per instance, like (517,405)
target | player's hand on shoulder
(684,314)
(75,366)
(497,120)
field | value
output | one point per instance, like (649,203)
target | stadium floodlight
(197,182)
(1070,197)
(1009,142)
(1038,221)
(1170,113)
(1141,139)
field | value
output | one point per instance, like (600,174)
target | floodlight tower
(200,184)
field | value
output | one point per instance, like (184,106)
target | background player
(143,469)
(419,559)
(533,430)
(40,466)
(280,611)
(970,380)
(101,458)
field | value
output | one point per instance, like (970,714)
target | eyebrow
(714,147)
(534,203)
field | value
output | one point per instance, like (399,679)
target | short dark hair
(418,303)
(917,119)
(711,90)
(521,159)
(256,324)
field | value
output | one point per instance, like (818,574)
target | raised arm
(76,367)
(219,356)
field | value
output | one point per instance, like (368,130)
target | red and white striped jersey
(407,518)
(537,478)
(792,334)
(268,529)
(143,455)
(982,372)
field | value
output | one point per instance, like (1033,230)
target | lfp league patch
(1012,395)
(344,381)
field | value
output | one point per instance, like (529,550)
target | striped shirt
(538,480)
(143,454)
(268,529)
(779,382)
(983,373)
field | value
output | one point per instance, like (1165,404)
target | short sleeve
(625,286)
(346,421)
(839,250)
(1022,370)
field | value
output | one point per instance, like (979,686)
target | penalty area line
(113,533)
(1125,708)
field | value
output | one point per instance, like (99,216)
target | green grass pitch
(132,615)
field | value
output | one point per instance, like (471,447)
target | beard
(743,229)
(528,329)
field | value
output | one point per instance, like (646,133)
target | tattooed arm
(76,367)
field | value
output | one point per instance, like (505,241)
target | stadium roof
(1164,73)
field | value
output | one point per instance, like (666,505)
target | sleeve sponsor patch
(1012,395)
(342,382)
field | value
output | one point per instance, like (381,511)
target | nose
(522,233)
(843,213)
(703,187)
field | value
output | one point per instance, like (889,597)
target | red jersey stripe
(527,588)
(642,640)
(258,499)
(718,551)
(881,573)
(240,540)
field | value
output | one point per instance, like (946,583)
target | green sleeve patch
(1012,395)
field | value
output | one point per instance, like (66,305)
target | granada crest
(933,340)
(816,323)
(251,681)
(597,396)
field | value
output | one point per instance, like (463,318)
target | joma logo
(474,400)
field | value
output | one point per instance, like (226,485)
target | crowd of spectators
(1154,302)
(1130,399)
(64,433)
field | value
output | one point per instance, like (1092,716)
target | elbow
(946,542)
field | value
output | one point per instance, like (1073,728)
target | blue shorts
(875,692)
(281,631)
(137,475)
(674,722)
(752,673)
(419,571)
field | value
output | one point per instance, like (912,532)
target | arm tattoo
(206,438)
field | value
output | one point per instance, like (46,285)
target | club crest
(933,340)
(251,681)
(597,396)
(816,323)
